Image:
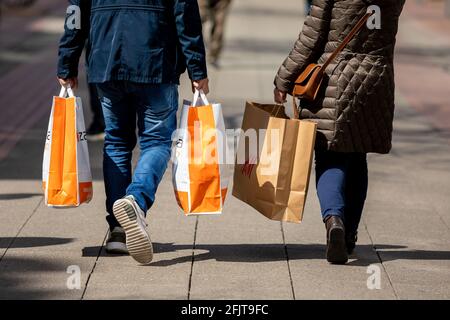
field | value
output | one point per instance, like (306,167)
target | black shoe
(336,248)
(350,241)
(116,243)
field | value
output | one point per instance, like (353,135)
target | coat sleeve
(189,30)
(76,33)
(308,47)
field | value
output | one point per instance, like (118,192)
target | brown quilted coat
(355,107)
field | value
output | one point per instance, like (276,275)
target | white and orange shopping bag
(66,171)
(199,172)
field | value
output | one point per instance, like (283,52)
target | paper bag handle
(200,95)
(280,107)
(276,111)
(296,111)
(66,91)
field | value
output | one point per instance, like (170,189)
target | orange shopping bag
(199,172)
(66,171)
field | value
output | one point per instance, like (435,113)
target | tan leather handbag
(308,84)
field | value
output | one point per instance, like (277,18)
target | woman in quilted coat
(354,110)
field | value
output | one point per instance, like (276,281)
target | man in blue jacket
(136,52)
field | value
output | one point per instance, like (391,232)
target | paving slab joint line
(440,217)
(444,222)
(287,260)
(93,267)
(193,259)
(381,261)
(21,228)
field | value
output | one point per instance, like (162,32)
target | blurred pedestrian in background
(15,4)
(215,12)
(354,109)
(308,4)
(96,129)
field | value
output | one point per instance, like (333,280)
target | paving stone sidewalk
(405,233)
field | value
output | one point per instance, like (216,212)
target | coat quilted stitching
(355,107)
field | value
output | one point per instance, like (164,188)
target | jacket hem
(132,78)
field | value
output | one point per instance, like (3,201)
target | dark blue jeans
(153,108)
(342,182)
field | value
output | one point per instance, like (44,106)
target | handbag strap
(347,39)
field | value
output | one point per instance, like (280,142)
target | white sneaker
(132,220)
(116,243)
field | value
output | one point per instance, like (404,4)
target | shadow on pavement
(97,251)
(19,283)
(253,253)
(18,196)
(30,242)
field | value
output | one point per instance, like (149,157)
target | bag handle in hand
(200,95)
(66,91)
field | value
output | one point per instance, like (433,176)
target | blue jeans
(153,108)
(342,182)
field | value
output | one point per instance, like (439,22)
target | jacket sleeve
(308,47)
(74,39)
(189,30)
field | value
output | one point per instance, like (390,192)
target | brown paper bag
(273,162)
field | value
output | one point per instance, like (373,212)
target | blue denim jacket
(144,41)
